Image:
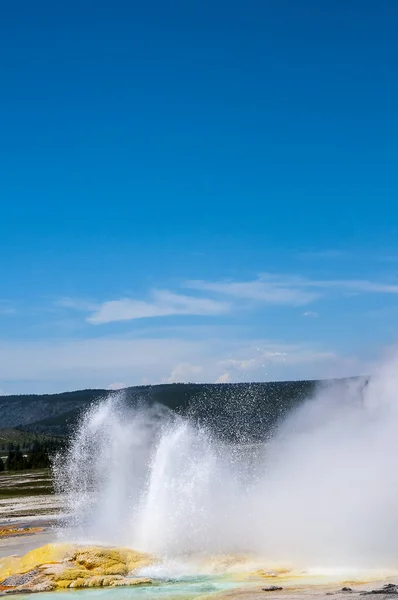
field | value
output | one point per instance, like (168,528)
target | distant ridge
(235,409)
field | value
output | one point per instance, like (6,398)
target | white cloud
(54,366)
(268,289)
(272,361)
(118,385)
(224,378)
(311,313)
(162,303)
(183,372)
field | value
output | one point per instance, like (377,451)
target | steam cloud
(322,492)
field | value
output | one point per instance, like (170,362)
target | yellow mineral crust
(59,566)
(51,553)
(18,531)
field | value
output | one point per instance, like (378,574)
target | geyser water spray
(323,491)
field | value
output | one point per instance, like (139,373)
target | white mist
(323,492)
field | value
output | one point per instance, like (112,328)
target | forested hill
(235,408)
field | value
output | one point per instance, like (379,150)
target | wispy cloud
(357,285)
(215,298)
(311,314)
(162,303)
(269,289)
(290,289)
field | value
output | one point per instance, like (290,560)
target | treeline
(24,446)
(36,456)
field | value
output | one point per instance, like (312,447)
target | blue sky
(196,191)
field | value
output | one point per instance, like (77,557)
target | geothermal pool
(184,589)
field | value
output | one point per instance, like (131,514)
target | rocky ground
(29,509)
(380,591)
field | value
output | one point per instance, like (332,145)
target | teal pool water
(187,589)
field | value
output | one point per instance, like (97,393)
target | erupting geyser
(322,492)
